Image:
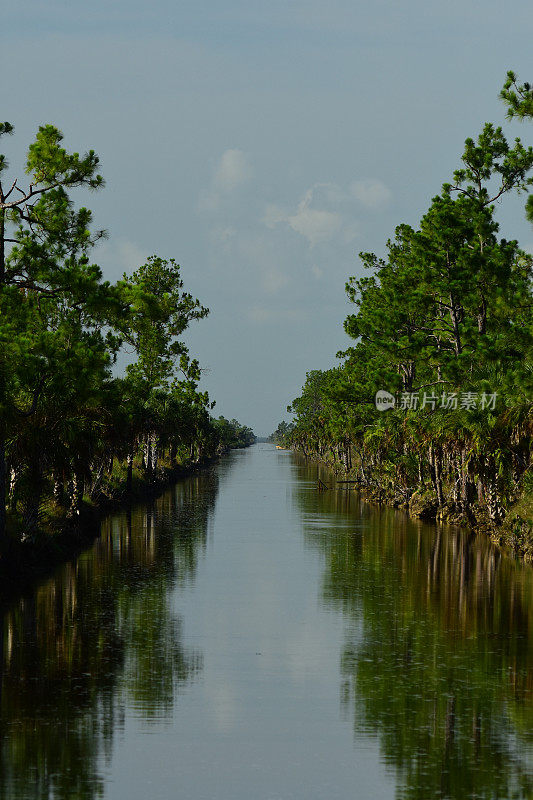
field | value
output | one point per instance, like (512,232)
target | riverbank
(513,533)
(314,644)
(63,538)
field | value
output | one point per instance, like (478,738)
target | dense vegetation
(69,427)
(282,433)
(443,325)
(232,435)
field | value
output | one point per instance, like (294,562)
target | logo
(411,401)
(384,400)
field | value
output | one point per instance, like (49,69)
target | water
(249,637)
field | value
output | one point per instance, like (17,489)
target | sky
(263,146)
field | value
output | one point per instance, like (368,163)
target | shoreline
(513,536)
(23,564)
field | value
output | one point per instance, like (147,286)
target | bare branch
(28,195)
(13,186)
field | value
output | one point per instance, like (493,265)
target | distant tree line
(442,326)
(282,433)
(69,428)
(232,435)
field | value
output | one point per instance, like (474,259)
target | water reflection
(433,628)
(102,635)
(438,661)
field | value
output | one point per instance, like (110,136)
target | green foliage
(446,313)
(50,165)
(64,418)
(518,98)
(232,434)
(158,313)
(281,435)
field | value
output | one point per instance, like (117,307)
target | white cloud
(371,193)
(326,210)
(314,224)
(232,172)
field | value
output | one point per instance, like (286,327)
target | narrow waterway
(246,637)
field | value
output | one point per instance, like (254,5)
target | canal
(246,637)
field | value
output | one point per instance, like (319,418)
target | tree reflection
(101,636)
(439,662)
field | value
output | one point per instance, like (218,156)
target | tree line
(432,404)
(69,427)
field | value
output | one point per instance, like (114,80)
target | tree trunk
(482,317)
(59,491)
(438,477)
(3,490)
(456,474)
(99,477)
(435,468)
(173,451)
(3,466)
(455,317)
(76,486)
(148,454)
(432,467)
(129,474)
(155,452)
(32,502)
(467,485)
(493,502)
(11,494)
(363,475)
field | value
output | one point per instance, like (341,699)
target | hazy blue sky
(263,145)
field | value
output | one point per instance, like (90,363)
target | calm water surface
(246,637)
